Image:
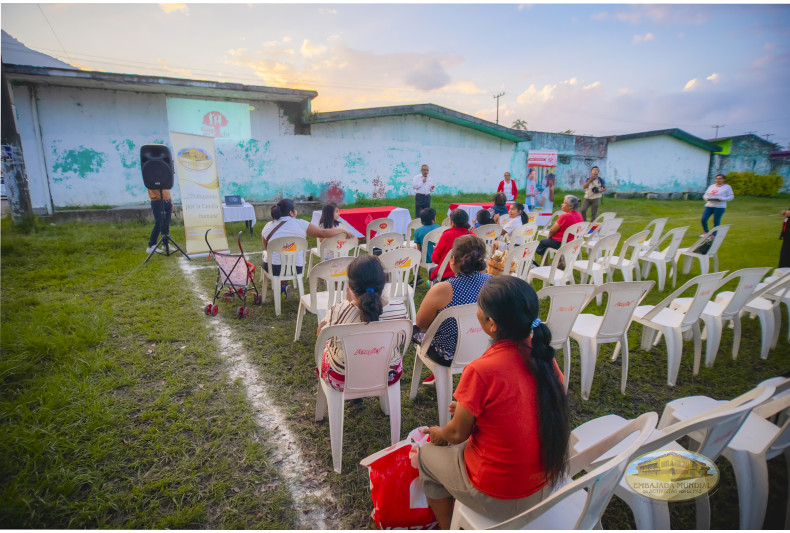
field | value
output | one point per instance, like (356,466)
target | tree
(519,125)
(567,132)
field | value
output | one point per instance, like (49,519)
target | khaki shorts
(443,474)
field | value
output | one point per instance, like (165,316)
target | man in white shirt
(423,187)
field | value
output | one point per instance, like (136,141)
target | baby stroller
(235,274)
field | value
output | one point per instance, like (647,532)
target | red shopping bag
(398,499)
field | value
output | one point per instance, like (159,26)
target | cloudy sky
(596,69)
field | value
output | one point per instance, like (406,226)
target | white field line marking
(311,496)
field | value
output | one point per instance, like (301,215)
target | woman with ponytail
(363,303)
(507,442)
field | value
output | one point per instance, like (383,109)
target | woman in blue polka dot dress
(468,262)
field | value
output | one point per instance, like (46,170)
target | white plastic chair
(522,235)
(596,266)
(628,260)
(289,249)
(716,427)
(605,228)
(334,272)
(432,236)
(658,225)
(378,225)
(331,247)
(368,349)
(565,304)
(575,232)
(445,223)
(758,440)
(552,275)
(472,342)
(442,268)
(399,264)
(544,233)
(726,307)
(776,274)
(764,304)
(604,216)
(522,256)
(413,225)
(718,233)
(489,233)
(580,503)
(655,256)
(674,323)
(385,241)
(591,330)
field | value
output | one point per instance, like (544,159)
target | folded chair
(368,348)
(580,503)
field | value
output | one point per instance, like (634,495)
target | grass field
(118,408)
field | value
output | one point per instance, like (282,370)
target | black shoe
(419,280)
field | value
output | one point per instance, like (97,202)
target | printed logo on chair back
(383,225)
(389,241)
(491,235)
(402,263)
(624,304)
(338,273)
(473,330)
(529,232)
(675,475)
(289,247)
(566,309)
(340,244)
(369,351)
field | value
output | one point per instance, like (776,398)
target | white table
(235,213)
(400,218)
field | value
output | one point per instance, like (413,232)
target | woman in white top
(544,201)
(717,197)
(285,224)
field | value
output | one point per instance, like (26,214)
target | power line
(717,126)
(53,32)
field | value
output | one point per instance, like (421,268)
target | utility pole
(12,160)
(768,136)
(717,126)
(497,105)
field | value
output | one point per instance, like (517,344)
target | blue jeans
(161,224)
(717,213)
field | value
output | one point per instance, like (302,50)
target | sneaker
(430,380)
(289,292)
(152,248)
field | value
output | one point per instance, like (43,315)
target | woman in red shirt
(508,439)
(508,187)
(459,226)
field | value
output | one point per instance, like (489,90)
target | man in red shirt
(569,217)
(459,225)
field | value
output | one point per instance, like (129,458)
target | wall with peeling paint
(748,153)
(661,164)
(32,151)
(577,154)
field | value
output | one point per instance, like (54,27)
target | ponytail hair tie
(369,290)
(535,323)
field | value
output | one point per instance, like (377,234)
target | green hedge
(749,184)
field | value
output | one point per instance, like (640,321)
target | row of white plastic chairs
(742,430)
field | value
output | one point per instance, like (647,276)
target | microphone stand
(165,235)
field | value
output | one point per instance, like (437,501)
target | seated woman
(468,263)
(517,218)
(483,218)
(329,217)
(285,224)
(459,225)
(363,303)
(507,442)
(570,215)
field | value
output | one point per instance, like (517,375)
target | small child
(428,219)
(483,218)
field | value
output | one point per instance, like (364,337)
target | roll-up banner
(196,168)
(545,163)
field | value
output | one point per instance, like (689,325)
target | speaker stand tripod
(165,240)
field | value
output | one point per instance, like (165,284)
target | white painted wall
(661,164)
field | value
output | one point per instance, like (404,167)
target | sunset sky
(592,68)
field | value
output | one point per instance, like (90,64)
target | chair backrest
(378,225)
(565,304)
(385,241)
(444,266)
(472,340)
(575,231)
(568,252)
(634,243)
(290,249)
(604,216)
(773,291)
(606,227)
(658,227)
(432,236)
(337,246)
(718,239)
(675,237)
(599,482)
(747,282)
(552,219)
(524,233)
(488,233)
(706,284)
(411,226)
(334,272)
(368,349)
(623,298)
(603,251)
(445,223)
(779,403)
(233,269)
(400,263)
(522,256)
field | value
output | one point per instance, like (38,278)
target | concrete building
(749,153)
